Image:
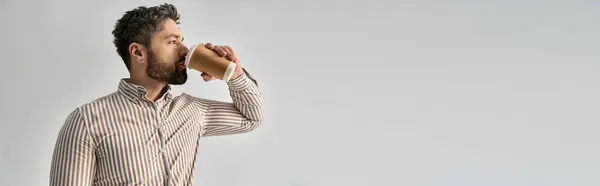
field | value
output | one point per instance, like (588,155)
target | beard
(164,72)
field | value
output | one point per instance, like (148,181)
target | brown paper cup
(205,60)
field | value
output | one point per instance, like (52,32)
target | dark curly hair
(140,25)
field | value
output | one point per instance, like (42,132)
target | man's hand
(228,53)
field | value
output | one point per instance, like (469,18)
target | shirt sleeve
(73,160)
(241,116)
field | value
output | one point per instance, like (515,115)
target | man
(141,134)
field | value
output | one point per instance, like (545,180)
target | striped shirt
(126,139)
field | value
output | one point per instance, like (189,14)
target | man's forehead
(170,29)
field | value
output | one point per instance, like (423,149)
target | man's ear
(137,52)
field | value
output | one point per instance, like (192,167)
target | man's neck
(155,89)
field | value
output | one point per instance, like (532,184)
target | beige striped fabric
(126,139)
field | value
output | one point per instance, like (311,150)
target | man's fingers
(230,50)
(230,54)
(210,46)
(221,51)
(207,77)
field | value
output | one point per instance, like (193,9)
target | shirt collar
(136,92)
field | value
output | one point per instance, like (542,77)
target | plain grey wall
(413,93)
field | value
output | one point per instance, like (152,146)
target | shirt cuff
(239,83)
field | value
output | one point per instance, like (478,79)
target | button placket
(161,135)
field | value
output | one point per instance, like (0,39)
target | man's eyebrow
(174,35)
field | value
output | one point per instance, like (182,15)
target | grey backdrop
(412,93)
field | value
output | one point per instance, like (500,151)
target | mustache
(181,60)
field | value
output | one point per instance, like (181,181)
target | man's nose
(184,50)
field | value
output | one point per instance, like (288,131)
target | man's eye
(172,42)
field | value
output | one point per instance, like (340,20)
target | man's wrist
(239,83)
(237,73)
